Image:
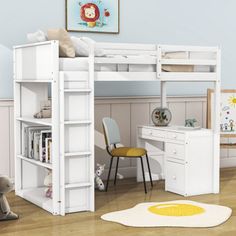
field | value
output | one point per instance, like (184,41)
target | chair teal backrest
(111,131)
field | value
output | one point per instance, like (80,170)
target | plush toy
(48,184)
(5,187)
(190,122)
(45,111)
(98,181)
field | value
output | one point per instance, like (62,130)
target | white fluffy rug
(171,214)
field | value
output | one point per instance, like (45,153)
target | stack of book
(37,143)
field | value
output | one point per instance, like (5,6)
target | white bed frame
(72,122)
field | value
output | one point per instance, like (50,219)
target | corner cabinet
(37,79)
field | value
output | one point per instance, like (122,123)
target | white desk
(186,160)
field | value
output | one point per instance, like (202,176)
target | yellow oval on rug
(176,209)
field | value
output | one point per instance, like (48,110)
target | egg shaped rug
(179,213)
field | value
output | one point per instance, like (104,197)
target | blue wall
(201,22)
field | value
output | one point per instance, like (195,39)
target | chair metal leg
(149,170)
(108,177)
(144,182)
(117,164)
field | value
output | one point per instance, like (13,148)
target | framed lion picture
(101,16)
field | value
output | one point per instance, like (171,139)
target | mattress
(81,64)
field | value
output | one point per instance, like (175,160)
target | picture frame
(227,114)
(94,16)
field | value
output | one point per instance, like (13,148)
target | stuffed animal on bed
(98,181)
(6,186)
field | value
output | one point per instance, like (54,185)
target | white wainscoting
(6,138)
(129,112)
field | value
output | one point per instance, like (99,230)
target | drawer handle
(174,152)
(174,136)
(150,132)
(174,177)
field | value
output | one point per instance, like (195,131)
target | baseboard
(228,162)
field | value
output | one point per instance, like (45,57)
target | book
(48,148)
(42,144)
(30,140)
(36,145)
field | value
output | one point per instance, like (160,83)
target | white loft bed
(72,122)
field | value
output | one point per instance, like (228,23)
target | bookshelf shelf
(37,196)
(46,122)
(35,162)
(33,80)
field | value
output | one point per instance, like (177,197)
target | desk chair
(112,138)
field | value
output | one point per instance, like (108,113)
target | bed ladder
(77,145)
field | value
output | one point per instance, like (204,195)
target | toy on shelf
(48,184)
(45,111)
(190,122)
(161,116)
(6,186)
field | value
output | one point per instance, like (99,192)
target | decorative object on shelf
(45,110)
(190,122)
(92,16)
(180,213)
(48,184)
(161,116)
(98,181)
(6,186)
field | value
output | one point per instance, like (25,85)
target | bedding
(81,46)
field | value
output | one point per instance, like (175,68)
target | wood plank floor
(35,221)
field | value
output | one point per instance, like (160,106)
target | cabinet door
(4,141)
(175,177)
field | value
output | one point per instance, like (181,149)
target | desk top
(177,129)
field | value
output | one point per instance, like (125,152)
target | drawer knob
(174,152)
(174,136)
(174,177)
(150,132)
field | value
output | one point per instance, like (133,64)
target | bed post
(163,94)
(162,83)
(216,128)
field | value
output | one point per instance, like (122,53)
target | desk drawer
(151,132)
(176,136)
(175,150)
(175,177)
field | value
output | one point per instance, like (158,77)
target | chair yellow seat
(128,152)
(112,139)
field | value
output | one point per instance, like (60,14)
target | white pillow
(81,48)
(38,36)
(97,51)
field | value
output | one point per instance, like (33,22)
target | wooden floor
(35,221)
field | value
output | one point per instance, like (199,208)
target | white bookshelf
(72,126)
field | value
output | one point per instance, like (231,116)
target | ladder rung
(78,122)
(73,154)
(77,90)
(77,185)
